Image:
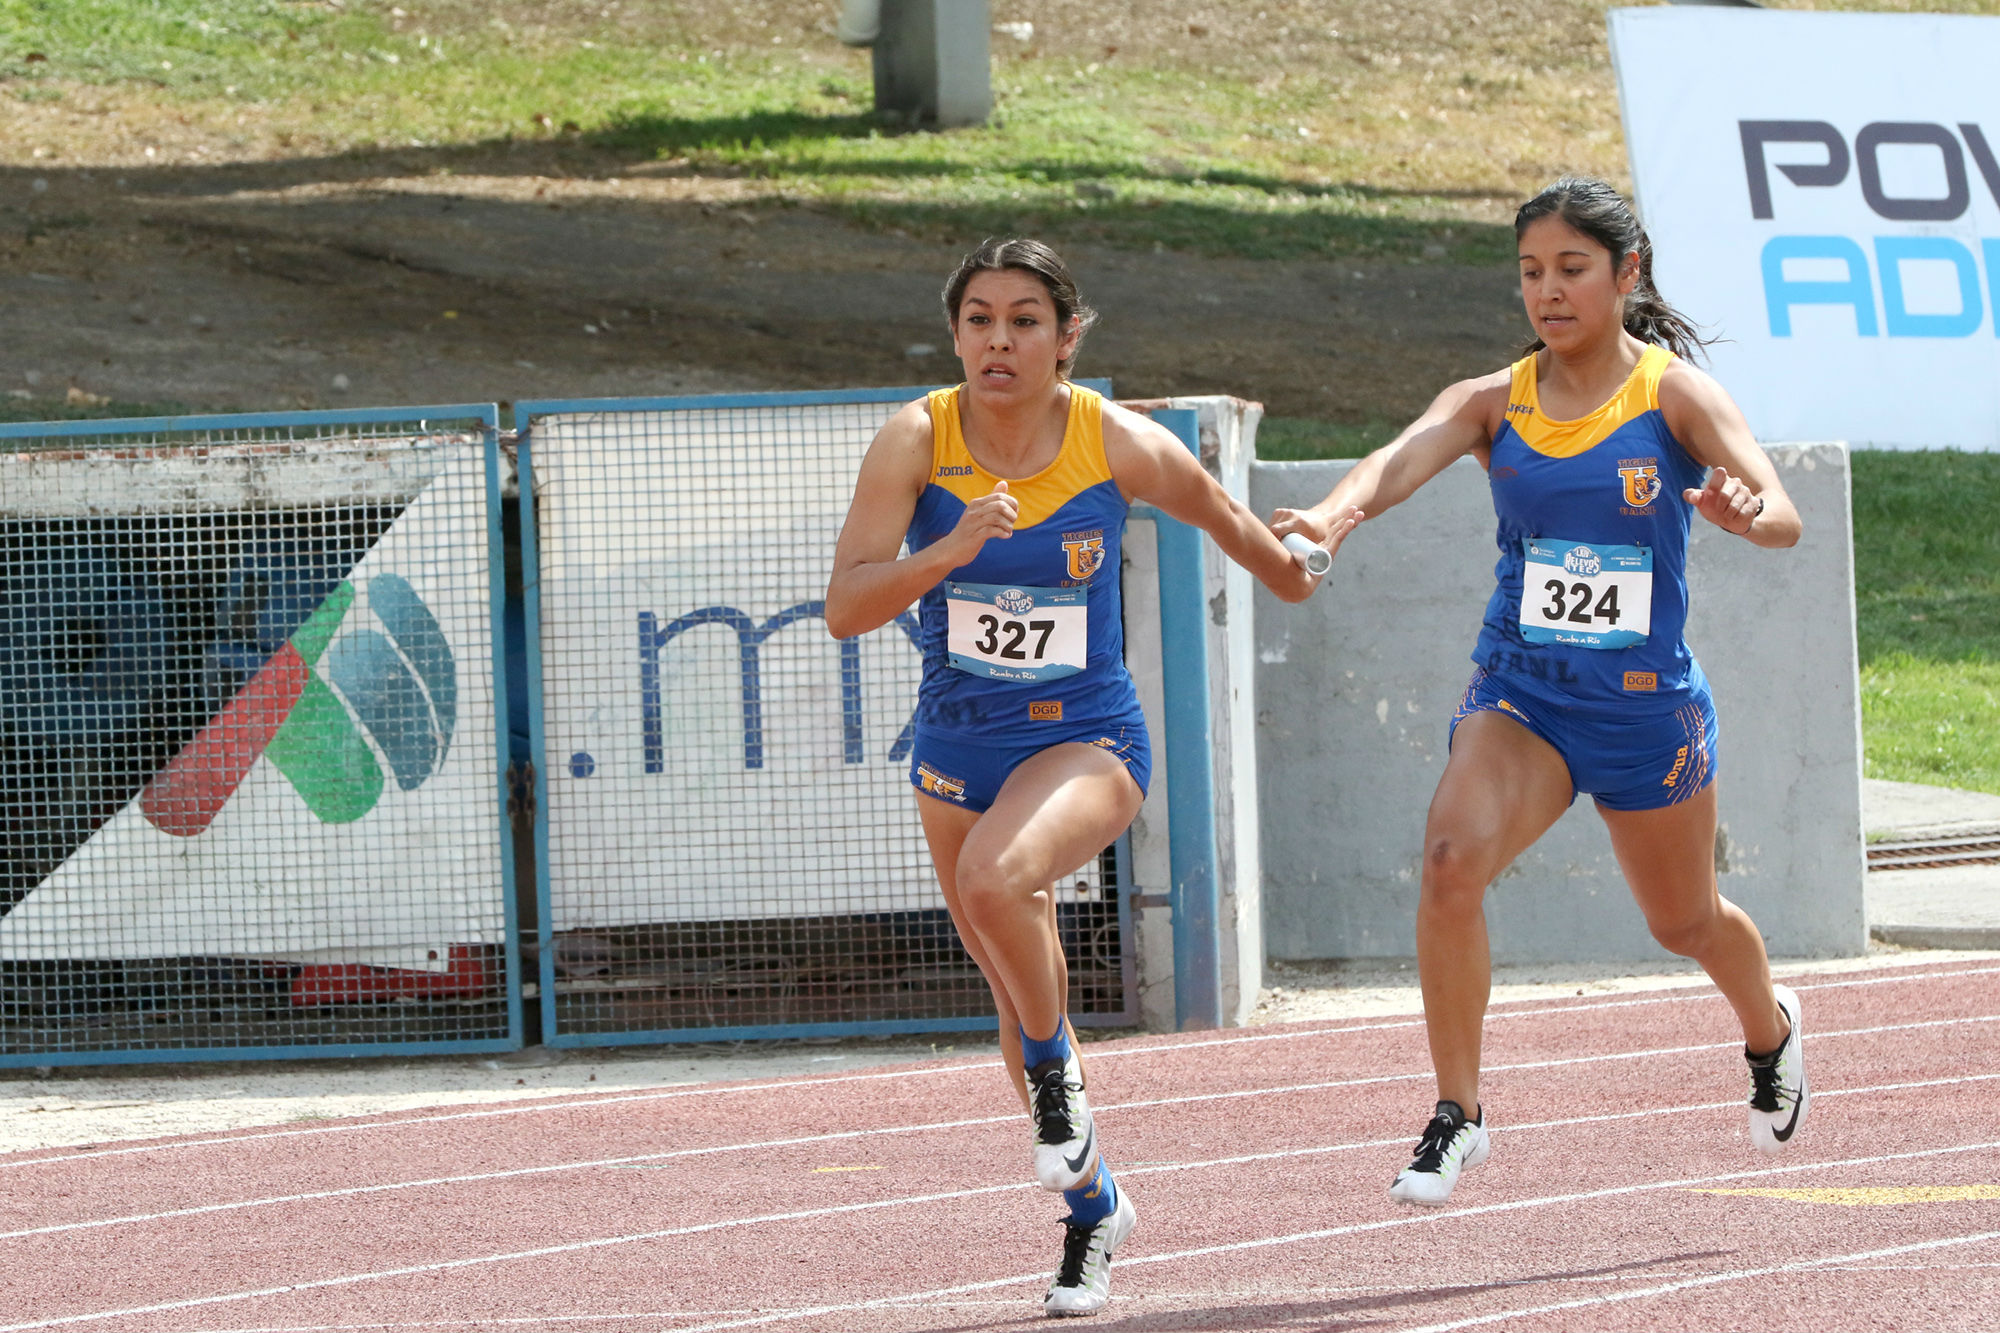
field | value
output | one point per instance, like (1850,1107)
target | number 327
(1015,633)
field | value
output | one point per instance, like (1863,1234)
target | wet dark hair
(1601,213)
(1032,257)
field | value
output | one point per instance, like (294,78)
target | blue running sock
(1092,1203)
(1041,1052)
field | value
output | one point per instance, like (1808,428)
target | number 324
(1581,612)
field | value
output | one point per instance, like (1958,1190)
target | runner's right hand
(991,515)
(1316,527)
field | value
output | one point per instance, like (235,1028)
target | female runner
(1599,446)
(1031,755)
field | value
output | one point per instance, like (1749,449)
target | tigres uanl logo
(1642,483)
(1085,551)
(937,784)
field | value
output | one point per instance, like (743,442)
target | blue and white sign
(1585,596)
(1823,193)
(713,754)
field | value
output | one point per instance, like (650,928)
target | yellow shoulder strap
(947,435)
(1653,363)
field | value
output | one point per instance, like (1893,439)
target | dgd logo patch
(399,683)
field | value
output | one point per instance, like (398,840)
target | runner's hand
(1316,527)
(989,516)
(1726,502)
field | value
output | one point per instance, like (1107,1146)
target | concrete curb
(1950,907)
(1937,937)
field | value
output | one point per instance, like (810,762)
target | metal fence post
(1191,789)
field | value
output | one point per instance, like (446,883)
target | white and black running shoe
(1083,1283)
(1779,1093)
(1449,1145)
(1065,1138)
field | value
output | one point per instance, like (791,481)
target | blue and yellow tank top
(1027,636)
(1591,594)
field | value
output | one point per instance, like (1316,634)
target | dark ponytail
(1601,213)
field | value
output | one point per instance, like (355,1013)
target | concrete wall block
(933,61)
(1356,690)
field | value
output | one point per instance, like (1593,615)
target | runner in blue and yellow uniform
(1600,446)
(1031,756)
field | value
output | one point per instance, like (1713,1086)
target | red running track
(1622,1192)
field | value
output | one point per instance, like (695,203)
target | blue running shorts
(968,771)
(1625,761)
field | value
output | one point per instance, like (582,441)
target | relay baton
(1317,559)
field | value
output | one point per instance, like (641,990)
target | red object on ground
(185,796)
(471,970)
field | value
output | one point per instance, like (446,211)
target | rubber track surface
(1622,1192)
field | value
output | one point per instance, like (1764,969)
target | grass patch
(1927,554)
(1263,130)
(1930,721)
(1290,439)
(1254,128)
(55,409)
(1927,615)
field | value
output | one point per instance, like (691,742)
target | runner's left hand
(1725,501)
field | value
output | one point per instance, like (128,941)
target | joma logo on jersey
(1520,410)
(1085,551)
(955,470)
(937,784)
(1642,484)
(1680,762)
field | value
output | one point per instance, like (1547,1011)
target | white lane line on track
(1706,1280)
(726,1224)
(971,1123)
(1013,1304)
(815,1081)
(377,1326)
(936,1126)
(1330,1233)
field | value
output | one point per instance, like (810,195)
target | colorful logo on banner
(398,683)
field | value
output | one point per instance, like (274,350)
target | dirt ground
(434,276)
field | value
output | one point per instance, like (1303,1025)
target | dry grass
(1447,110)
(1474,102)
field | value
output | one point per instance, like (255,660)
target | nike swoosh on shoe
(1784,1135)
(1090,1139)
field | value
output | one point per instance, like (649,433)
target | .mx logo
(399,683)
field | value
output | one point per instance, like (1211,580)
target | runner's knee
(1686,934)
(992,885)
(1456,872)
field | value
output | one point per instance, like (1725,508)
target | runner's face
(1007,335)
(1573,295)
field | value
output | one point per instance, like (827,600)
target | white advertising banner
(342,806)
(1823,194)
(712,753)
